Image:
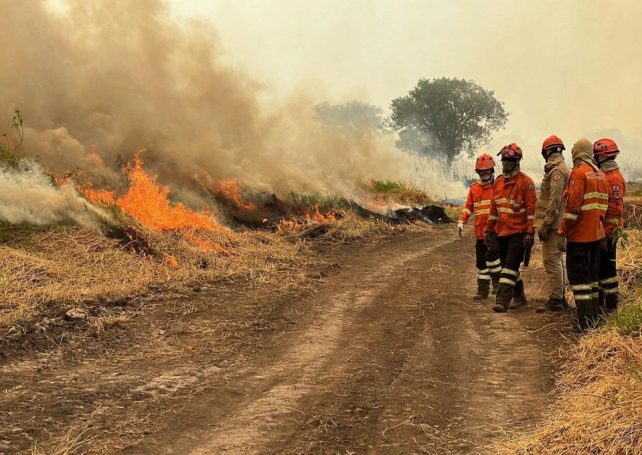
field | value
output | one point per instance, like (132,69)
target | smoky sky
(108,78)
(569,67)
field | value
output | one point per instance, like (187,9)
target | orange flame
(148,202)
(101,197)
(231,190)
(171,260)
(320,217)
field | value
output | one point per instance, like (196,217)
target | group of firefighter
(578,212)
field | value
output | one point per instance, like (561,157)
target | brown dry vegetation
(599,406)
(46,271)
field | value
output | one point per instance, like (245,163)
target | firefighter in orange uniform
(583,227)
(511,225)
(604,153)
(478,205)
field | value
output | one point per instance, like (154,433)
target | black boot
(503,298)
(552,305)
(519,298)
(587,314)
(483,288)
(610,303)
(495,283)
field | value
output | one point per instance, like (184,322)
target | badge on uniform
(556,177)
(571,183)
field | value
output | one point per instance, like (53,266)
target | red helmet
(606,148)
(484,162)
(552,144)
(511,152)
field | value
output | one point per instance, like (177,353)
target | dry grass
(44,269)
(599,409)
(401,192)
(633,212)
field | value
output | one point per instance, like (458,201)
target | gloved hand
(529,240)
(489,239)
(460,228)
(543,232)
(561,243)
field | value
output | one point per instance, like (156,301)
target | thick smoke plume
(106,78)
(29,196)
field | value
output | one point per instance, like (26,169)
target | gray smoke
(107,78)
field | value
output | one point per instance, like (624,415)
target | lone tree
(445,117)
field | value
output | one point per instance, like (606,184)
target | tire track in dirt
(294,373)
(400,360)
(389,355)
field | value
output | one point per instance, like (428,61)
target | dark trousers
(488,265)
(511,254)
(607,277)
(582,266)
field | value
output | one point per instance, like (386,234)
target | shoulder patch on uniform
(616,188)
(557,177)
(531,186)
(571,182)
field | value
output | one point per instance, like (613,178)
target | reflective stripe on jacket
(478,204)
(586,203)
(615,210)
(512,210)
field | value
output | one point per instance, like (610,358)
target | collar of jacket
(589,162)
(554,160)
(510,176)
(610,165)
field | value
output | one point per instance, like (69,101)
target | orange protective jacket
(478,204)
(587,196)
(512,209)
(614,212)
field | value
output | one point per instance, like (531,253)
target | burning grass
(599,408)
(44,270)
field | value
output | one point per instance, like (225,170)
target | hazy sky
(565,67)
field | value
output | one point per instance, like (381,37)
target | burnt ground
(382,351)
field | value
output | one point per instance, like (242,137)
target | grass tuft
(401,192)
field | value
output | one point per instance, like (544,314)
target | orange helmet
(606,148)
(511,152)
(484,162)
(552,144)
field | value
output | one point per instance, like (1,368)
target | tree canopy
(446,117)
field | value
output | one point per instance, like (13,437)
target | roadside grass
(401,192)
(46,270)
(599,405)
(318,200)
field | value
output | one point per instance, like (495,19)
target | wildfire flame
(148,202)
(171,260)
(319,217)
(231,190)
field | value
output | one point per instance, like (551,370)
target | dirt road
(384,352)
